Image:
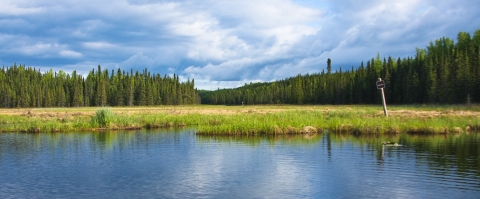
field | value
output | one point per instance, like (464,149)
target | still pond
(180,164)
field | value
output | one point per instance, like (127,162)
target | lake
(177,163)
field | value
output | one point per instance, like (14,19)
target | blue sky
(223,44)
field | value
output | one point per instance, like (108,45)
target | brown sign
(380,84)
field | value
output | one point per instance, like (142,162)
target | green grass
(248,120)
(341,121)
(103,118)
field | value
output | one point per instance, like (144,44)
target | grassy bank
(248,119)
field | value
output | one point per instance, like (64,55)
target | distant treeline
(22,86)
(445,73)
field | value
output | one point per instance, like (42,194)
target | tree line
(22,86)
(445,72)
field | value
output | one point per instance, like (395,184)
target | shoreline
(249,120)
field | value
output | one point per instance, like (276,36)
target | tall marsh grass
(103,118)
(291,122)
(250,120)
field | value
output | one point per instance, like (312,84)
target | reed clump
(103,118)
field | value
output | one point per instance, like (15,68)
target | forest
(22,86)
(445,72)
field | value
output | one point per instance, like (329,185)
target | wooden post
(381,85)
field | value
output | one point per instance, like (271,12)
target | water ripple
(177,164)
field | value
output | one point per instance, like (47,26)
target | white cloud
(69,53)
(8,8)
(98,45)
(224,42)
(140,61)
(39,49)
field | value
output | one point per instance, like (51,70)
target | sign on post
(381,85)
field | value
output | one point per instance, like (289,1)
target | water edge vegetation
(250,120)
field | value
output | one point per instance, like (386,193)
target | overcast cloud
(223,43)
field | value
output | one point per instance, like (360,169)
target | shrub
(103,118)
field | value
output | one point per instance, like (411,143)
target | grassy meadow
(251,120)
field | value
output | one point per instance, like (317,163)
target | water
(180,164)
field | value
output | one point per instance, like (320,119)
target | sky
(223,44)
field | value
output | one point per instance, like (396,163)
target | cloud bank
(223,43)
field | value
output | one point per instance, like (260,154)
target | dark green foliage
(22,86)
(444,73)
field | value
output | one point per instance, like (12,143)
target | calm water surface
(180,164)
